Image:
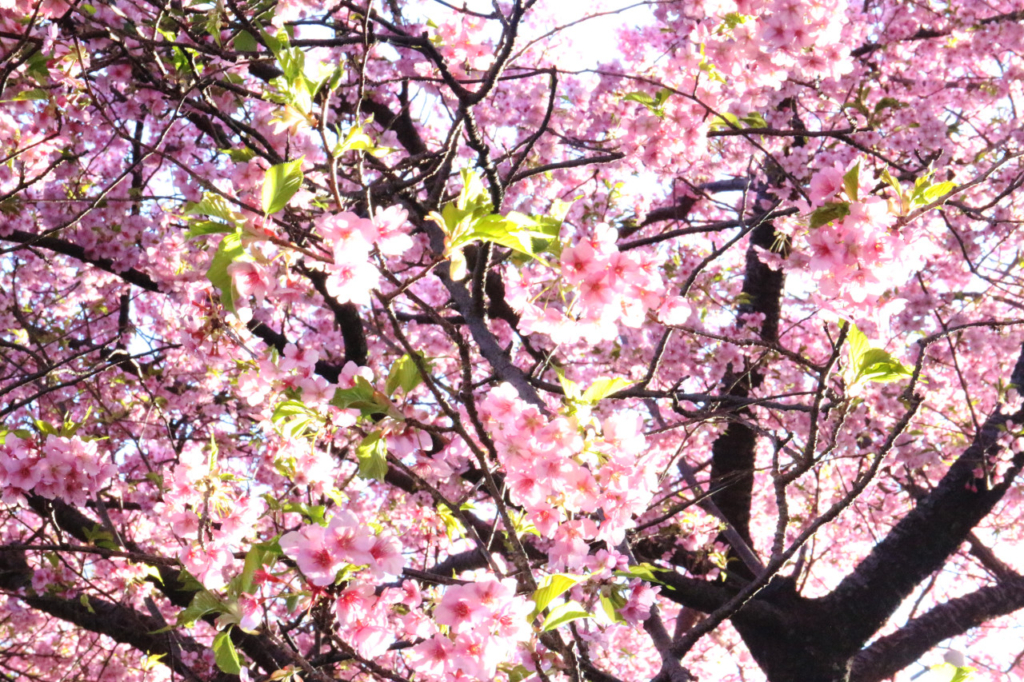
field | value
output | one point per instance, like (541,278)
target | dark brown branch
(66,248)
(121,623)
(892,653)
(922,540)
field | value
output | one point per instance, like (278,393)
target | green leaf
(203,602)
(201,228)
(643,571)
(365,398)
(245,42)
(857,345)
(879,366)
(521,524)
(502,231)
(97,535)
(452,525)
(240,154)
(936,191)
(754,120)
(725,121)
(289,408)
(38,67)
(188,582)
(734,19)
(355,140)
(404,374)
(888,103)
(962,674)
(372,453)
(655,104)
(571,388)
(212,205)
(280,184)
(277,42)
(226,656)
(214,23)
(457,268)
(253,562)
(46,428)
(551,588)
(611,602)
(851,182)
(315,513)
(362,392)
(872,364)
(152,660)
(893,182)
(30,95)
(638,96)
(824,215)
(604,387)
(519,673)
(84,601)
(229,250)
(566,613)
(473,193)
(524,234)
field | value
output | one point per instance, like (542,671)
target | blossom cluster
(294,369)
(198,502)
(574,490)
(71,469)
(486,621)
(856,258)
(363,615)
(321,552)
(352,275)
(601,287)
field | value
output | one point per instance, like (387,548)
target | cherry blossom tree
(355,340)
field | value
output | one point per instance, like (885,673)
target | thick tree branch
(892,653)
(732,455)
(117,621)
(66,248)
(922,540)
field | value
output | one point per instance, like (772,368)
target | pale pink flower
(675,311)
(185,523)
(249,607)
(302,360)
(351,281)
(387,556)
(250,279)
(623,433)
(207,564)
(477,655)
(825,184)
(460,608)
(638,605)
(348,540)
(432,656)
(355,603)
(512,622)
(347,232)
(491,594)
(597,291)
(580,261)
(390,222)
(502,403)
(306,548)
(622,269)
(371,640)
